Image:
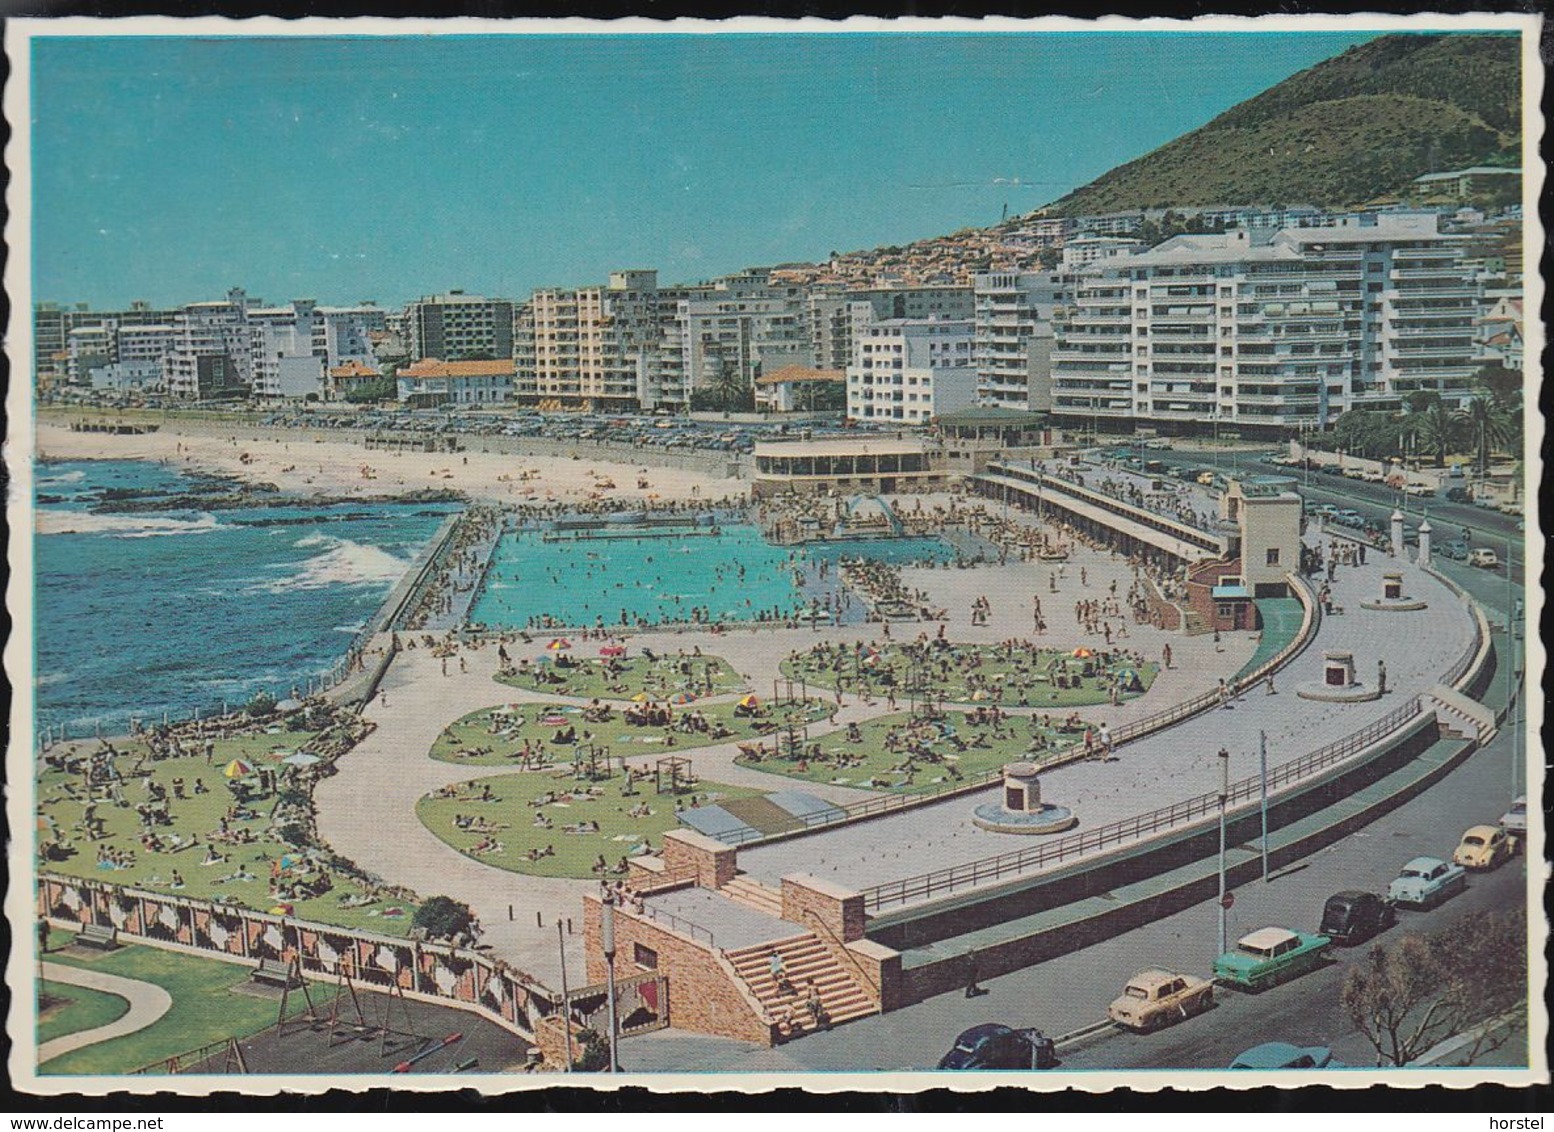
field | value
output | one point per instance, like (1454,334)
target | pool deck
(367,810)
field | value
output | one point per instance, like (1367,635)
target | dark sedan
(993,1046)
(1352,917)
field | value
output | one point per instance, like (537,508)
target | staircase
(805,960)
(1194,623)
(753,894)
(1461,717)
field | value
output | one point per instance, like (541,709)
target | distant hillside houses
(1464,183)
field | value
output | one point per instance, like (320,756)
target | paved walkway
(147,1003)
(1178,763)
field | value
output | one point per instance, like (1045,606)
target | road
(1072,991)
(1376,502)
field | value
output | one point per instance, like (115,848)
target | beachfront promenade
(1175,764)
(367,811)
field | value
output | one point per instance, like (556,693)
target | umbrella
(237,768)
(301,758)
(751,700)
(282,910)
(1082,652)
(613,650)
(641,698)
(559,643)
(542,659)
(681,698)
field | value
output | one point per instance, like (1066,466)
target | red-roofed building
(431,382)
(800,388)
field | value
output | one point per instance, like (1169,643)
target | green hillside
(1350,129)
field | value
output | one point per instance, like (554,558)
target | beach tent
(559,643)
(1083,652)
(751,700)
(237,768)
(681,698)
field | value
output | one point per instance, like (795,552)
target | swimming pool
(730,573)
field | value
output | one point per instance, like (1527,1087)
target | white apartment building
(909,370)
(212,352)
(1267,330)
(459,327)
(89,348)
(140,359)
(1012,316)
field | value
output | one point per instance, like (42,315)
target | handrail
(1056,851)
(839,946)
(679,923)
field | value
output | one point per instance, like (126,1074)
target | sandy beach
(341,468)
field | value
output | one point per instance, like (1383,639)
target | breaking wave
(119,526)
(344,563)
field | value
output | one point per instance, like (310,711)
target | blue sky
(349,169)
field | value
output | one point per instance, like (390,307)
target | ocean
(180,609)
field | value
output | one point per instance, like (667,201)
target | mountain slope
(1349,129)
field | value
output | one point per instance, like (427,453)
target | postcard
(866,555)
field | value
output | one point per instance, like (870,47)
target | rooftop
(436,367)
(790,374)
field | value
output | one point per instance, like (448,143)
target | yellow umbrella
(237,768)
(750,701)
(641,698)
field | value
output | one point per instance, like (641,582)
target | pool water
(733,575)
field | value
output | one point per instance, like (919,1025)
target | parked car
(1455,549)
(1483,847)
(1351,916)
(1154,998)
(1484,558)
(1269,956)
(1514,820)
(1327,510)
(1283,1055)
(995,1046)
(1420,489)
(1349,517)
(1427,881)
(1458,495)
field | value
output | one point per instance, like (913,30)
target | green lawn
(586,677)
(880,760)
(495,736)
(995,674)
(70,1009)
(61,808)
(509,817)
(205,1009)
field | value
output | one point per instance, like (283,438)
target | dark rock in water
(266,495)
(51,499)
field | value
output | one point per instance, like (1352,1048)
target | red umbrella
(613,650)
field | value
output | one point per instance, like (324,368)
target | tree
(376,389)
(1489,425)
(1426,989)
(262,705)
(1503,385)
(442,917)
(1439,430)
(593,1052)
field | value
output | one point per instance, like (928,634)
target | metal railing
(680,924)
(975,873)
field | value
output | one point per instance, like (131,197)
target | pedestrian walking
(973,969)
(1381,677)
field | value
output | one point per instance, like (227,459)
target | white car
(1483,557)
(1426,881)
(1514,820)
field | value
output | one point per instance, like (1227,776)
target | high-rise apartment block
(1012,312)
(459,327)
(1257,330)
(909,369)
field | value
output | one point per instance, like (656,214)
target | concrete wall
(996,905)
(918,983)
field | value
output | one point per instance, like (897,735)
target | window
(1273,556)
(644,957)
(1225,609)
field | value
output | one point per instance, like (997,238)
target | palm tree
(1489,425)
(1438,431)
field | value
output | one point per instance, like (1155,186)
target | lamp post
(1262,770)
(1224,801)
(607,941)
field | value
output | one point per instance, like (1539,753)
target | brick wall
(839,909)
(1200,597)
(704,994)
(713,863)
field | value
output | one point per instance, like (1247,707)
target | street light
(1224,801)
(607,940)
